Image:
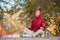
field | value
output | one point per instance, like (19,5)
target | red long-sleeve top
(37,23)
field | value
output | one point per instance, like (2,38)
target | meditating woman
(37,26)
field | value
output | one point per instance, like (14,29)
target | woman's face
(37,13)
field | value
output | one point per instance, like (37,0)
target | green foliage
(50,9)
(58,30)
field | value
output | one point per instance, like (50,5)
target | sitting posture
(37,26)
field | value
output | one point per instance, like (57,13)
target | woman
(37,25)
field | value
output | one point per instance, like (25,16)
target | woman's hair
(38,8)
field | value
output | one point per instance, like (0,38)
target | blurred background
(17,14)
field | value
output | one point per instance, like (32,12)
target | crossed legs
(34,34)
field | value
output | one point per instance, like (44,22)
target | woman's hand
(41,28)
(29,26)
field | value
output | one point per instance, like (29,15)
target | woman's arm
(43,25)
(30,27)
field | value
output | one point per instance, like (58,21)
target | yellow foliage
(15,24)
(52,29)
(11,30)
